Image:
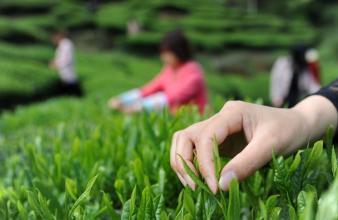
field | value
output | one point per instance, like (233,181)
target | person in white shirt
(295,76)
(63,63)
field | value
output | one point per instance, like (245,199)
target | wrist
(317,114)
(303,127)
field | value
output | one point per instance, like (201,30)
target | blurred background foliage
(225,34)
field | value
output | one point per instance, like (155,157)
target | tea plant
(110,166)
(73,159)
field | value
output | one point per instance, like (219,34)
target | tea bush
(73,159)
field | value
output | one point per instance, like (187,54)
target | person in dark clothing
(295,76)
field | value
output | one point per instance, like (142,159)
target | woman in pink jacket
(181,81)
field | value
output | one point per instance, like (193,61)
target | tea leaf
(189,204)
(126,213)
(234,201)
(71,188)
(217,159)
(193,176)
(85,195)
(109,206)
(334,162)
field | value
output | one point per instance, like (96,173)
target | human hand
(130,109)
(249,132)
(114,103)
(52,64)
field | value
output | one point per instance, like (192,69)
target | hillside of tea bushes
(29,21)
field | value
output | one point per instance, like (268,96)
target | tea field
(93,164)
(72,158)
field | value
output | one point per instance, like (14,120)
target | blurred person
(180,82)
(133,27)
(295,76)
(63,63)
(251,134)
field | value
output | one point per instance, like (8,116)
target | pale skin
(250,134)
(114,103)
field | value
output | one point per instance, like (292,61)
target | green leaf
(334,162)
(187,217)
(292,213)
(314,155)
(161,180)
(179,203)
(234,201)
(39,204)
(295,163)
(71,188)
(58,167)
(263,211)
(149,207)
(200,206)
(138,171)
(163,216)
(281,179)
(271,202)
(33,203)
(217,159)
(119,185)
(305,205)
(132,203)
(301,202)
(194,177)
(126,213)
(159,207)
(109,206)
(22,211)
(44,207)
(129,206)
(274,215)
(329,136)
(145,210)
(328,205)
(210,205)
(188,202)
(84,196)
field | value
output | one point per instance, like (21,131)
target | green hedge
(223,29)
(71,15)
(29,27)
(24,4)
(23,77)
(26,53)
(23,69)
(210,24)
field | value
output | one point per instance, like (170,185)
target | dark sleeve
(331,93)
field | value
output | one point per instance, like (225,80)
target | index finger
(219,127)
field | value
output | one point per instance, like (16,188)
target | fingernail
(189,181)
(181,179)
(226,179)
(212,184)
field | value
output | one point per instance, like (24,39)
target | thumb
(255,155)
